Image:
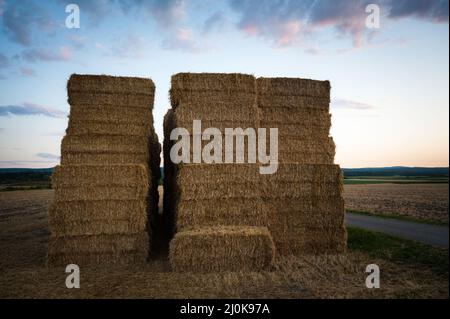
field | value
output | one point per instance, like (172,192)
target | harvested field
(24,237)
(425,202)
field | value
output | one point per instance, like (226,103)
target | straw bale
(215,111)
(222,248)
(105,143)
(209,87)
(291,103)
(100,128)
(292,172)
(293,86)
(214,82)
(138,101)
(96,192)
(110,84)
(320,131)
(99,243)
(111,114)
(305,117)
(306,157)
(98,210)
(100,175)
(179,99)
(234,211)
(220,173)
(106,158)
(96,259)
(317,240)
(97,227)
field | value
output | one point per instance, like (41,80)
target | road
(435,235)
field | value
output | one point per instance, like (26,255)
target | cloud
(30,109)
(214,22)
(19,18)
(183,40)
(78,42)
(167,13)
(291,22)
(350,105)
(48,156)
(4,61)
(432,10)
(130,46)
(27,71)
(25,164)
(64,53)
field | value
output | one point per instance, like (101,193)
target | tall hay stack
(303,199)
(106,186)
(214,210)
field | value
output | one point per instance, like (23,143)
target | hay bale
(219,249)
(111,114)
(77,193)
(106,158)
(98,217)
(219,211)
(100,175)
(293,87)
(114,243)
(96,259)
(97,227)
(84,99)
(105,143)
(100,128)
(289,103)
(300,117)
(311,219)
(201,87)
(110,84)
(313,241)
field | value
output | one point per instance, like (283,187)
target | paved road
(435,235)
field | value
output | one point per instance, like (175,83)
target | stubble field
(24,236)
(423,202)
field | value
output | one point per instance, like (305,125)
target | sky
(390,84)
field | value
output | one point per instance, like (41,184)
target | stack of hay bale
(303,198)
(106,185)
(214,209)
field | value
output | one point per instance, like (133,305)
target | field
(421,202)
(24,235)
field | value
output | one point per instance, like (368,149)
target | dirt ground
(24,235)
(427,202)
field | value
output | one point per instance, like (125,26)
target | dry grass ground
(423,202)
(23,244)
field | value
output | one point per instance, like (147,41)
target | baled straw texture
(110,84)
(294,87)
(96,259)
(111,114)
(193,85)
(219,249)
(105,143)
(99,175)
(98,217)
(220,211)
(106,158)
(100,128)
(99,243)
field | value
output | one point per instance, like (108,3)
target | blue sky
(390,99)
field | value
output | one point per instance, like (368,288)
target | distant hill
(26,170)
(397,171)
(19,176)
